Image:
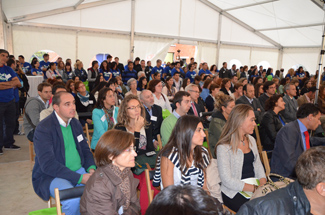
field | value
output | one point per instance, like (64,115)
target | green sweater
(72,157)
(167,127)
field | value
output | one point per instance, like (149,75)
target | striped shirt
(187,173)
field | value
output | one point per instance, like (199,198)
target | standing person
(238,157)
(25,66)
(191,73)
(137,65)
(114,70)
(92,74)
(120,66)
(158,68)
(112,189)
(183,160)
(63,159)
(44,64)
(104,114)
(105,70)
(8,81)
(148,70)
(129,73)
(224,72)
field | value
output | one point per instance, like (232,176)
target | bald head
(146,98)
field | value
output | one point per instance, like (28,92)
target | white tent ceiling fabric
(290,23)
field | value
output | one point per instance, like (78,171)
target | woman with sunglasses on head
(112,189)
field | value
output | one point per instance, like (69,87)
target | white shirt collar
(61,122)
(47,102)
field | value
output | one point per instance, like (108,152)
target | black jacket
(288,200)
(225,73)
(209,102)
(199,107)
(263,99)
(80,108)
(288,147)
(224,90)
(256,105)
(270,126)
(150,147)
(155,123)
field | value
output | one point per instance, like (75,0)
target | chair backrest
(266,163)
(87,134)
(159,142)
(149,176)
(71,193)
(258,141)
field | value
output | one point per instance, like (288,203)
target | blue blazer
(50,154)
(100,124)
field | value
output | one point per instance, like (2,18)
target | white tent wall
(308,57)
(207,52)
(228,53)
(91,44)
(269,55)
(28,40)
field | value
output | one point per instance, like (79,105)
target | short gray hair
(130,81)
(287,87)
(190,87)
(141,73)
(141,94)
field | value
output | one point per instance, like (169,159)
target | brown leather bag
(271,186)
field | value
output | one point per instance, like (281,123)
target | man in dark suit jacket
(224,72)
(248,98)
(63,157)
(196,100)
(293,139)
(291,106)
(269,89)
(153,114)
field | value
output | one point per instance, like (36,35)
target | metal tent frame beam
(224,13)
(250,5)
(61,10)
(78,3)
(290,27)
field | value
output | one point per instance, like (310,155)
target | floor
(17,195)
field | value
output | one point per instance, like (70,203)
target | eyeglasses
(194,91)
(130,149)
(134,107)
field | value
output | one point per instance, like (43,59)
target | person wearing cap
(308,97)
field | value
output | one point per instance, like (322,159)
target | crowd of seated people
(130,107)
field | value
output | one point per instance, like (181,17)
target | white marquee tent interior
(281,33)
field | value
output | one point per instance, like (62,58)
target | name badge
(200,114)
(153,118)
(91,102)
(103,118)
(80,138)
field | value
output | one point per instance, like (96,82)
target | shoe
(1,152)
(12,147)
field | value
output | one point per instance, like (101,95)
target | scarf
(109,117)
(125,186)
(83,98)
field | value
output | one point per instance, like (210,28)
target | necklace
(243,141)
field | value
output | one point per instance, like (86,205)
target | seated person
(34,106)
(169,89)
(112,189)
(308,97)
(272,121)
(132,118)
(104,114)
(225,86)
(183,160)
(238,157)
(269,88)
(52,72)
(80,72)
(238,91)
(205,89)
(293,139)
(224,104)
(132,84)
(84,102)
(304,196)
(62,157)
(197,104)
(182,102)
(189,200)
(155,86)
(291,105)
(153,114)
(211,99)
(57,87)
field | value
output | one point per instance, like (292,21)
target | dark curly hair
(270,102)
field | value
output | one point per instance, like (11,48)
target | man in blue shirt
(191,73)
(26,67)
(293,139)
(128,73)
(44,64)
(8,81)
(204,69)
(158,68)
(168,69)
(178,69)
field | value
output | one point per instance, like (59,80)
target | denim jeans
(7,118)
(70,206)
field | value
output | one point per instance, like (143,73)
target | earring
(112,162)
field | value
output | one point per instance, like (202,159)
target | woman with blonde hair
(132,118)
(223,105)
(80,71)
(238,157)
(291,73)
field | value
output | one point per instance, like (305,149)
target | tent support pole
(321,58)
(132,29)
(219,40)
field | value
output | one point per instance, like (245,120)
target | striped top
(188,172)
